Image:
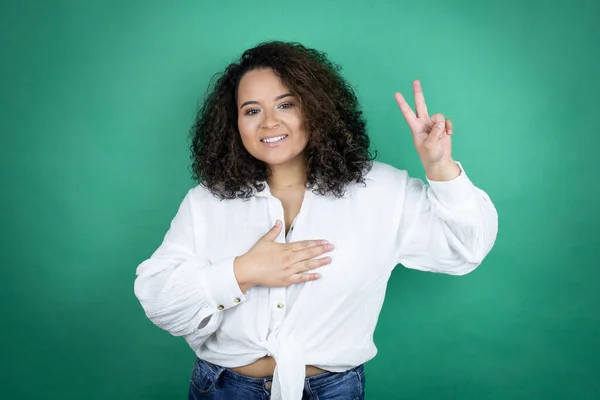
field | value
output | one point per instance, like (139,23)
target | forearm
(453,226)
(177,296)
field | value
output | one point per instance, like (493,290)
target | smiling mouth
(273,139)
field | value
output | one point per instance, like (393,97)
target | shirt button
(236,300)
(280,305)
(221,307)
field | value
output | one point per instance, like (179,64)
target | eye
(251,111)
(287,104)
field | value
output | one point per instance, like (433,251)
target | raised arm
(448,225)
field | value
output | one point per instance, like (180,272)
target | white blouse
(188,288)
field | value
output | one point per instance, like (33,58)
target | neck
(291,175)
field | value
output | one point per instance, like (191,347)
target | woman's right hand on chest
(274,264)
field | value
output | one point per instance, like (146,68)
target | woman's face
(270,119)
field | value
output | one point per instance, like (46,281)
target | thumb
(273,233)
(437,132)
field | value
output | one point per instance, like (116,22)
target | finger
(273,233)
(304,244)
(438,118)
(437,132)
(407,112)
(299,278)
(420,100)
(308,265)
(311,252)
(449,127)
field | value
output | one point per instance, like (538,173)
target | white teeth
(275,139)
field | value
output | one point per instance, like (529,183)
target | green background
(96,103)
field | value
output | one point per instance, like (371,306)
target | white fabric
(188,287)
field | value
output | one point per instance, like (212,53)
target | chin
(277,159)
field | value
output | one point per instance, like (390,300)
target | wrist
(443,171)
(240,270)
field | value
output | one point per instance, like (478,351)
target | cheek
(295,123)
(300,129)
(246,128)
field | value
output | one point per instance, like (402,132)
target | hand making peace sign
(431,135)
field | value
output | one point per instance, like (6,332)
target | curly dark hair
(337,152)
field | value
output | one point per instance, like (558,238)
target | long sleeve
(179,290)
(446,227)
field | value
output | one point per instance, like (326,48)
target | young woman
(275,266)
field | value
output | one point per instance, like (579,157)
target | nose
(269,122)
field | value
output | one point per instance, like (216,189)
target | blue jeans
(212,382)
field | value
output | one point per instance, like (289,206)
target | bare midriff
(265,367)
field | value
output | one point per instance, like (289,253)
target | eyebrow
(281,96)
